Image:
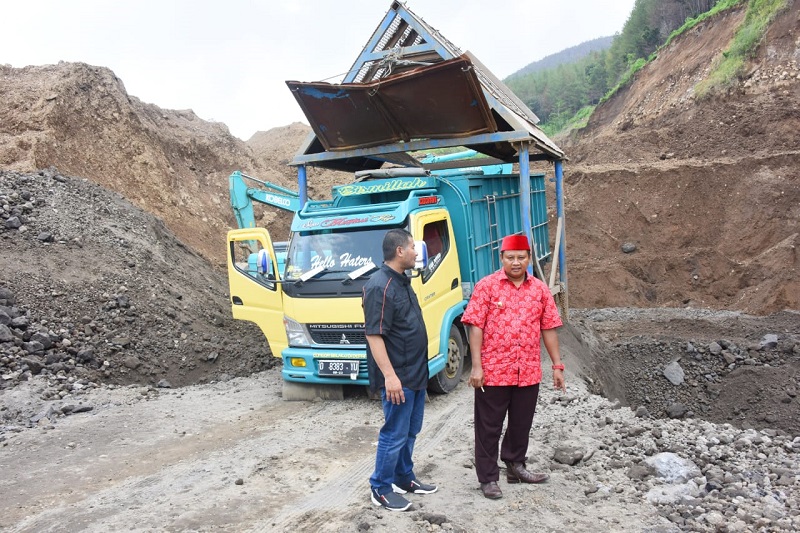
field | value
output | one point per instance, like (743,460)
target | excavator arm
(243,196)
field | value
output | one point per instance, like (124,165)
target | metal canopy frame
(403,41)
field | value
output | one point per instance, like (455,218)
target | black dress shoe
(491,490)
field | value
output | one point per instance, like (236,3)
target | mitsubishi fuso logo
(344,339)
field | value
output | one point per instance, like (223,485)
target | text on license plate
(338,368)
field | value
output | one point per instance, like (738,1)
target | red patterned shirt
(511,319)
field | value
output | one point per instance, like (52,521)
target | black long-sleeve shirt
(391,310)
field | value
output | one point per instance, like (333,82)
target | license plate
(339,368)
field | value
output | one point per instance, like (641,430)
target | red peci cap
(515,242)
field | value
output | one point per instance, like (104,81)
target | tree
(556,94)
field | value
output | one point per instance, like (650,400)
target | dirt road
(234,456)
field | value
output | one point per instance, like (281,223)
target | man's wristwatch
(558,367)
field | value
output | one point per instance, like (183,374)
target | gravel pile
(717,365)
(95,291)
(702,368)
(701,476)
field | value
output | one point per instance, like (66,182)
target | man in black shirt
(397,359)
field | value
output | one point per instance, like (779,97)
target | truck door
(439,286)
(254,280)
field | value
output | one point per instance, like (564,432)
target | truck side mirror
(264,264)
(422,255)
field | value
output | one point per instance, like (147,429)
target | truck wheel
(450,376)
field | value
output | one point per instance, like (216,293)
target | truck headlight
(296,333)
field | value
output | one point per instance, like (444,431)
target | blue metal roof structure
(402,50)
(404,41)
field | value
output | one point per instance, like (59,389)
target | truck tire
(450,376)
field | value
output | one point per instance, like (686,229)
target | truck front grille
(338,334)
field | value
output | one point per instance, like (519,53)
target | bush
(760,13)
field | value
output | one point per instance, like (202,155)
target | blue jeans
(396,440)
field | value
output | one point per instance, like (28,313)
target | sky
(228,60)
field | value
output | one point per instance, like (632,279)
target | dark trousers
(491,406)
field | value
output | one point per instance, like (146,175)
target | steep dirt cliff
(708,190)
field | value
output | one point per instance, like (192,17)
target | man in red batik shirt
(509,312)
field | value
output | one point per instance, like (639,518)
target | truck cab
(311,310)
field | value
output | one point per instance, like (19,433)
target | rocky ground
(232,456)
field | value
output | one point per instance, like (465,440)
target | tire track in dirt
(349,487)
(101,473)
(281,450)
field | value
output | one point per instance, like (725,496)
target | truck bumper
(301,366)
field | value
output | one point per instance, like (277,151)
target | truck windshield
(337,253)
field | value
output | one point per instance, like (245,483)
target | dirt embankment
(79,119)
(707,190)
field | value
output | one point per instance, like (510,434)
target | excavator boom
(243,196)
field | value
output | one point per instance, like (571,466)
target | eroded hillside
(707,190)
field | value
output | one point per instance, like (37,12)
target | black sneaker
(415,487)
(390,500)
